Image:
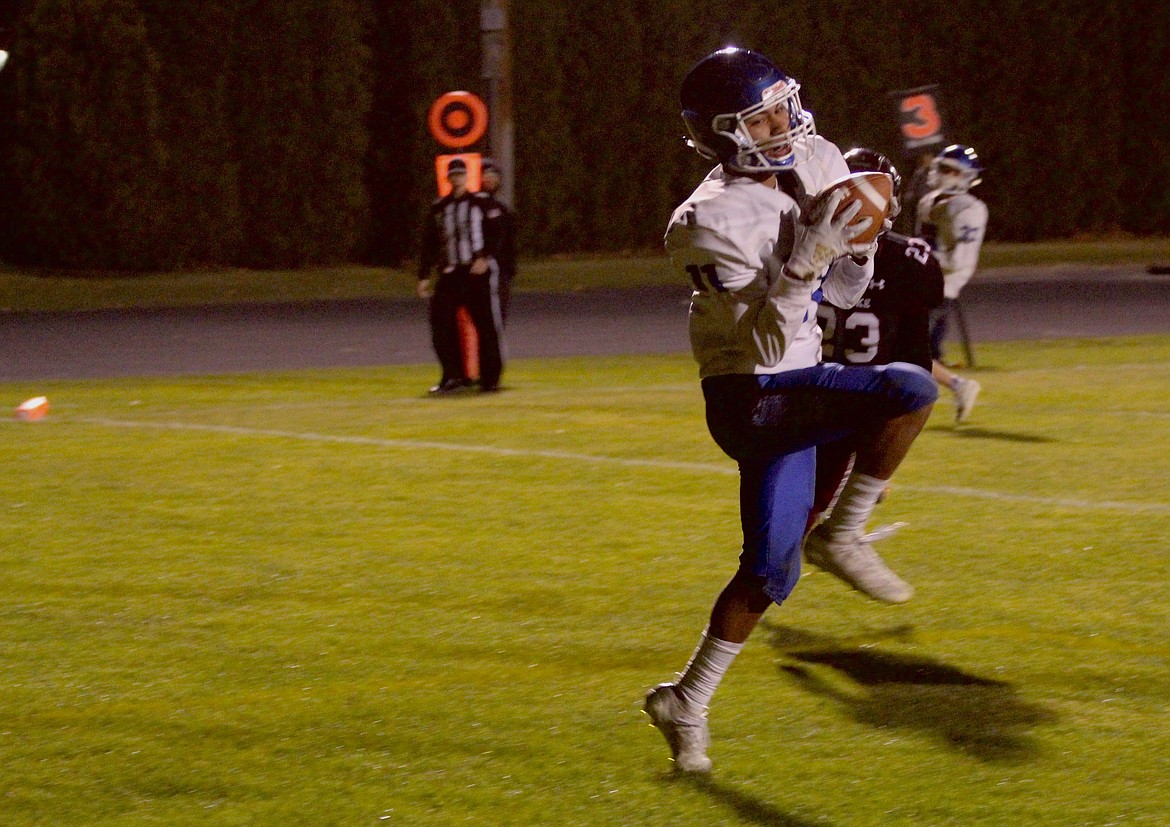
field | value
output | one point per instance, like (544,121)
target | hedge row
(148,134)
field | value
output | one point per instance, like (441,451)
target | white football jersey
(731,238)
(959,223)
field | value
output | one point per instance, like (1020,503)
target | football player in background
(890,323)
(758,258)
(953,221)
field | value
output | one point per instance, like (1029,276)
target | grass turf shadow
(975,432)
(980,717)
(747,808)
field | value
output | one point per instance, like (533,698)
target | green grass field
(318,598)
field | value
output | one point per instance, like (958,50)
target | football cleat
(965,395)
(685,732)
(446,387)
(854,561)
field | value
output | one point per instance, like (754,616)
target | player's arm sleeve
(846,281)
(959,264)
(920,276)
(923,227)
(732,299)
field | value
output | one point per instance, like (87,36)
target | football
(875,191)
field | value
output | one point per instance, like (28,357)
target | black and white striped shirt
(454,234)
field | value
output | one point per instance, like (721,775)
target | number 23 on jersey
(855,342)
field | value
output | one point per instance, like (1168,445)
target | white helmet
(954,170)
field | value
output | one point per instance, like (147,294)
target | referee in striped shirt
(459,241)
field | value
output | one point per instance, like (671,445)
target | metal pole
(964,334)
(497,71)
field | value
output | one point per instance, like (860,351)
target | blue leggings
(771,425)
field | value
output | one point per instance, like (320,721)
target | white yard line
(726,469)
(414,444)
(1059,502)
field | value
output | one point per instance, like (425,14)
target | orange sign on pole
(457,119)
(468,343)
(474,162)
(920,118)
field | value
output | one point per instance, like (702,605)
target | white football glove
(864,251)
(822,238)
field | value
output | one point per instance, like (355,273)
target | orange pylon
(469,340)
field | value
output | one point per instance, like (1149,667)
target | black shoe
(449,386)
(489,388)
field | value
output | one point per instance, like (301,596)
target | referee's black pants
(480,295)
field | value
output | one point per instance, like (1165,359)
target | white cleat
(685,732)
(855,562)
(965,395)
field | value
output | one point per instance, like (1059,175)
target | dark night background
(155,134)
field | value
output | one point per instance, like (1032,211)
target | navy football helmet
(861,159)
(963,166)
(727,88)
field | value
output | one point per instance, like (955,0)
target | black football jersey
(891,322)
